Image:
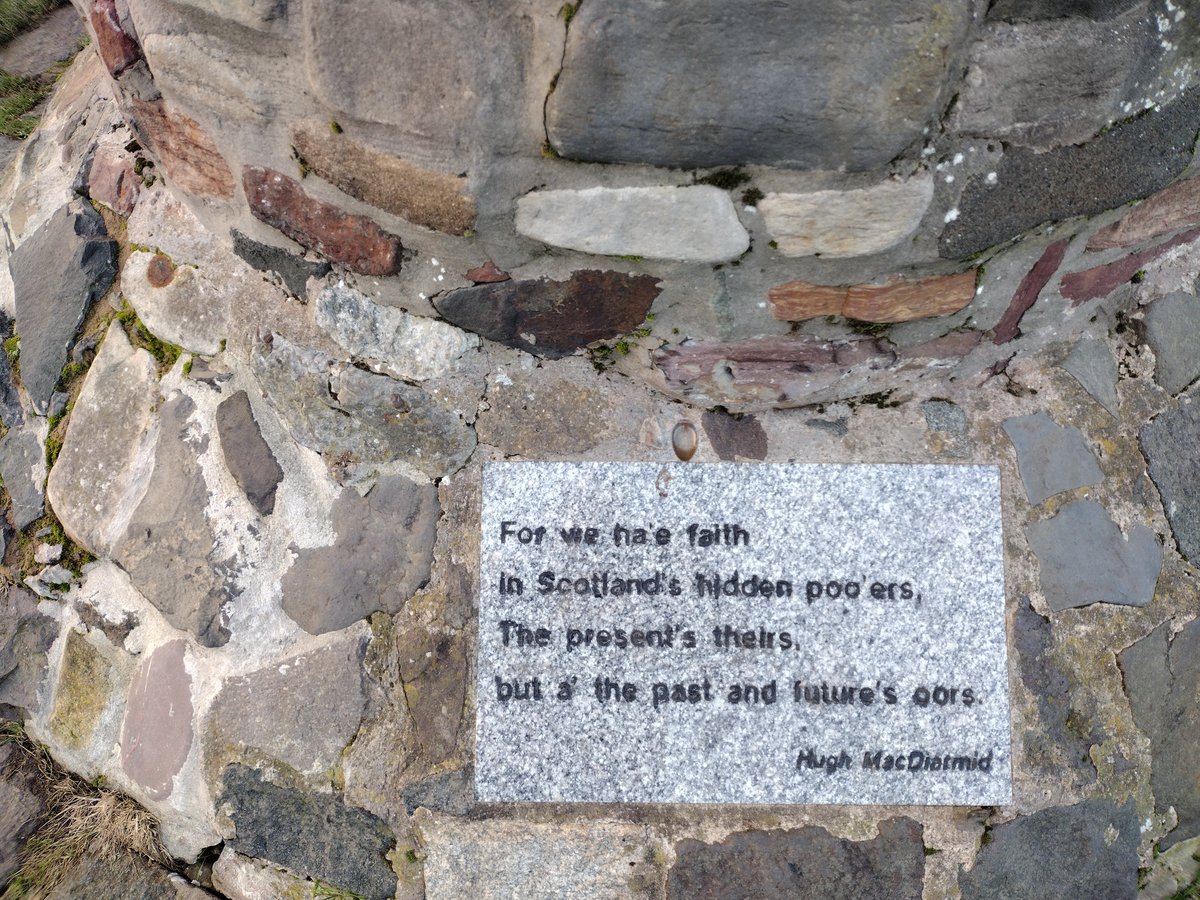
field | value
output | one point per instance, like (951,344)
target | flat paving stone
(1052,458)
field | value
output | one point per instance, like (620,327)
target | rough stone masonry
(279,278)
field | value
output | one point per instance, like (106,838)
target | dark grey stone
(313,834)
(734,436)
(804,862)
(756,84)
(25,638)
(23,468)
(294,270)
(1051,690)
(1173,333)
(1052,458)
(382,554)
(1161,674)
(21,809)
(1133,160)
(355,419)
(247,455)
(452,793)
(57,272)
(168,546)
(1061,853)
(124,876)
(1084,558)
(1169,444)
(1091,363)
(1035,10)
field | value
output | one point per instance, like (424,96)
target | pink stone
(1100,281)
(117,49)
(157,732)
(1027,291)
(112,181)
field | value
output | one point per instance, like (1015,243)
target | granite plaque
(695,633)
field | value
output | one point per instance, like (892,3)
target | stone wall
(280,276)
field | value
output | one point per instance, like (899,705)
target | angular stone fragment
(169,548)
(25,637)
(389,340)
(111,180)
(21,808)
(23,470)
(355,241)
(430,199)
(433,667)
(1161,673)
(1091,363)
(775,370)
(381,554)
(734,436)
(452,793)
(488,273)
(1052,458)
(1173,333)
(803,862)
(108,444)
(57,272)
(695,223)
(118,49)
(1053,82)
(949,347)
(1175,206)
(1028,290)
(312,834)
(847,223)
(552,318)
(81,694)
(301,711)
(355,419)
(239,877)
(1102,280)
(1085,559)
(1169,444)
(156,734)
(754,84)
(897,300)
(294,270)
(187,154)
(947,424)
(186,306)
(124,876)
(247,455)
(1060,853)
(1133,160)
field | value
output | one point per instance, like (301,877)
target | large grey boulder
(812,85)
(57,272)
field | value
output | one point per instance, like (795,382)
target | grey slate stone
(23,468)
(1092,364)
(1169,444)
(57,272)
(452,793)
(312,834)
(1132,160)
(358,420)
(1052,458)
(1061,853)
(168,546)
(21,810)
(293,269)
(949,423)
(1173,333)
(1084,558)
(247,455)
(381,555)
(1161,674)
(804,862)
(755,84)
(25,637)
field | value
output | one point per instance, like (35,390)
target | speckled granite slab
(742,634)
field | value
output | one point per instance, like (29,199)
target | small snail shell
(684,440)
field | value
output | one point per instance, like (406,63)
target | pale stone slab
(696,223)
(781,687)
(847,223)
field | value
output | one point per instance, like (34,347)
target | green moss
(548,151)
(1190,891)
(567,12)
(164,352)
(321,889)
(12,347)
(631,257)
(725,179)
(871,329)
(881,400)
(411,855)
(334,127)
(752,196)
(774,245)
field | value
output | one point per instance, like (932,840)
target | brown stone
(160,271)
(432,199)
(157,732)
(552,318)
(488,273)
(1027,291)
(954,345)
(355,241)
(1173,207)
(898,300)
(433,667)
(112,181)
(187,154)
(734,436)
(117,48)
(1100,281)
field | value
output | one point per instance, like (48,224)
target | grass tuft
(21,15)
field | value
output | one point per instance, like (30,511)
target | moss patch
(83,689)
